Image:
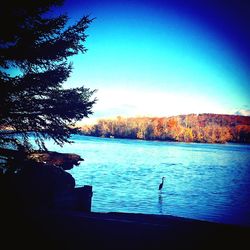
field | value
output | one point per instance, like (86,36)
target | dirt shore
(61,229)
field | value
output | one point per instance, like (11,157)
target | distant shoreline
(203,128)
(157,140)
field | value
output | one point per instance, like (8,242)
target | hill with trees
(206,128)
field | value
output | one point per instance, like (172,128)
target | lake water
(203,181)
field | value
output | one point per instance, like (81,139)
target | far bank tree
(34,50)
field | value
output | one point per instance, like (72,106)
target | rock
(34,179)
(37,185)
(65,161)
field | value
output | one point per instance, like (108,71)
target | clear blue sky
(161,58)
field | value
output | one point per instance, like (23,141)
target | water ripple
(203,181)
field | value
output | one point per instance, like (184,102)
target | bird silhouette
(162,182)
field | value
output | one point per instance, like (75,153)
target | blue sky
(161,58)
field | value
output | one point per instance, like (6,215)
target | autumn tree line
(206,128)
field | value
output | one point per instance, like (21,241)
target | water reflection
(160,203)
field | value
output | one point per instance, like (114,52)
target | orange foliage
(212,128)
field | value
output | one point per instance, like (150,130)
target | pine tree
(34,50)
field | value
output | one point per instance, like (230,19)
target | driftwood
(50,158)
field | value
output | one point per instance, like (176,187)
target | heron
(162,182)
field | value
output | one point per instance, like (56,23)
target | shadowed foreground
(33,217)
(61,229)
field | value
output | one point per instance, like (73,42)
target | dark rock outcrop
(36,186)
(63,160)
(35,179)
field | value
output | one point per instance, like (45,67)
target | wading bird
(161,185)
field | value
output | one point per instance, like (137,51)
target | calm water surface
(203,181)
